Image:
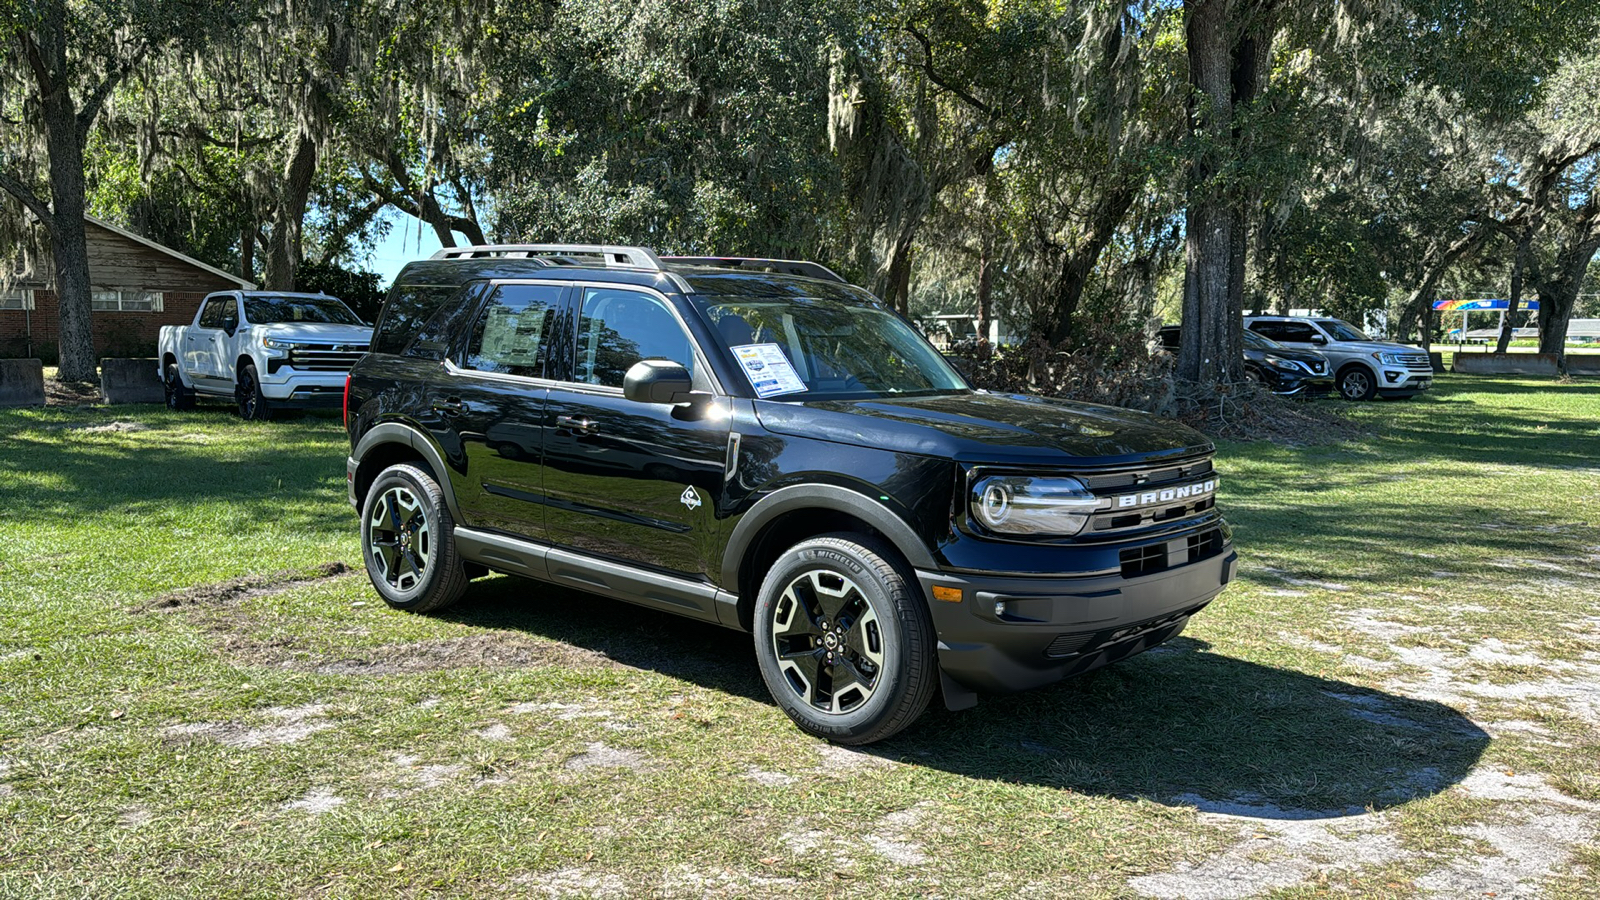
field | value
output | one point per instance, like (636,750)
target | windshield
(811,348)
(1255,341)
(324,310)
(1342,330)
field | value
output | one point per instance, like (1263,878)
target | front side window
(831,348)
(1342,330)
(320,310)
(617,328)
(1297,332)
(216,313)
(511,334)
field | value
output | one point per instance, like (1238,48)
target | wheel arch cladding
(391,443)
(791,515)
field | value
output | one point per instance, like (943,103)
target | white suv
(1362,367)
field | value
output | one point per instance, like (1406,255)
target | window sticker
(769,371)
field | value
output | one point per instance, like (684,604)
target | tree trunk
(1081,259)
(68,247)
(283,252)
(247,252)
(1558,295)
(1420,304)
(1212,345)
(985,289)
(1517,268)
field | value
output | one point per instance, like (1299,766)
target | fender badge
(690,498)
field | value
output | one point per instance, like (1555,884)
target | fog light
(1394,376)
(1000,609)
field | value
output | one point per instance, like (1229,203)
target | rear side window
(511,335)
(407,308)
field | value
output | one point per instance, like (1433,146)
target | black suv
(758,444)
(1283,370)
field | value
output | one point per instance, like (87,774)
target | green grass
(1405,603)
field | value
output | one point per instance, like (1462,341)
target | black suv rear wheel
(844,641)
(407,543)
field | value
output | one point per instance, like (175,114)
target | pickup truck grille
(1159,495)
(327,357)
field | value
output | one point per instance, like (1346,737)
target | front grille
(326,358)
(1110,519)
(1153,558)
(1414,360)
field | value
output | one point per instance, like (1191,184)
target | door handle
(576,425)
(451,406)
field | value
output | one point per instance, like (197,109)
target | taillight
(347,403)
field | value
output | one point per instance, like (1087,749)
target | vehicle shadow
(1180,725)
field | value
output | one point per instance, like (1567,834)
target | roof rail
(802,267)
(614,257)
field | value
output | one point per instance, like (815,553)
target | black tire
(178,396)
(407,541)
(247,390)
(863,621)
(1356,383)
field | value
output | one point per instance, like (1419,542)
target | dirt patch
(134,817)
(118,427)
(573,883)
(768,779)
(684,881)
(298,723)
(71,393)
(243,588)
(597,755)
(1274,854)
(497,732)
(484,650)
(837,760)
(316,802)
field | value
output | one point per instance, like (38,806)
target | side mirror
(1319,340)
(658,381)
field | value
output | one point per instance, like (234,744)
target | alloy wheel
(400,538)
(828,642)
(1355,385)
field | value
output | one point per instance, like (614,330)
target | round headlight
(1020,504)
(995,504)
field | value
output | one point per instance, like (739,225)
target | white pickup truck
(264,350)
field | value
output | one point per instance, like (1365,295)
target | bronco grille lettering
(1166,495)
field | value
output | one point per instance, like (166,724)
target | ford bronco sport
(758,444)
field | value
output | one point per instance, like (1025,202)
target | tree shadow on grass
(1179,725)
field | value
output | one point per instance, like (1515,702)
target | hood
(317,331)
(1372,347)
(989,428)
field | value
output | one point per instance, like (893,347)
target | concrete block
(21,382)
(130,381)
(1583,363)
(1436,359)
(1506,363)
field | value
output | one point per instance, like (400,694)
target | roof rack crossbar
(615,256)
(802,267)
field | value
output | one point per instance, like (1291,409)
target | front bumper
(1051,628)
(1401,381)
(1285,383)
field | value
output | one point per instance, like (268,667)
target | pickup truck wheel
(178,396)
(407,543)
(844,640)
(252,405)
(1356,383)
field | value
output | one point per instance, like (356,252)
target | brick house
(138,286)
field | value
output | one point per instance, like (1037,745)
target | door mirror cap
(1319,340)
(658,381)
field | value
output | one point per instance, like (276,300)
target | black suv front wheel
(407,542)
(844,641)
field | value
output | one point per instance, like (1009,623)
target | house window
(16,299)
(127,301)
